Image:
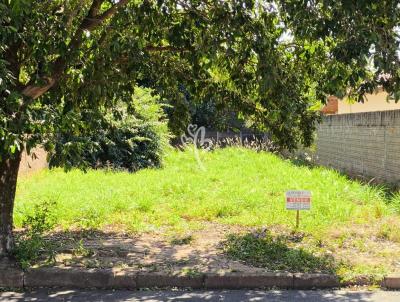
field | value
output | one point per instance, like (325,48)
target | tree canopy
(270,61)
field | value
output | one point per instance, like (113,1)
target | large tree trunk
(9,166)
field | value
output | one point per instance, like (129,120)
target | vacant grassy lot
(355,223)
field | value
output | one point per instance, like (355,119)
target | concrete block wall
(364,144)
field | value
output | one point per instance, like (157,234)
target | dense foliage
(132,137)
(269,61)
(361,38)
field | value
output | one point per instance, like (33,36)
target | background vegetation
(132,136)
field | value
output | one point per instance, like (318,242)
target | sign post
(298,200)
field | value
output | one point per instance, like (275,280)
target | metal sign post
(298,200)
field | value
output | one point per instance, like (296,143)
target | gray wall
(366,144)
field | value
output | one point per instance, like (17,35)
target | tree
(270,61)
(133,136)
(363,39)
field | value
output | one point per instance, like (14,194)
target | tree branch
(71,15)
(153,48)
(95,8)
(11,56)
(93,19)
(90,22)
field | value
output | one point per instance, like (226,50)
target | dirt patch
(153,252)
(201,250)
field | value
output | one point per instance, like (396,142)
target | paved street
(231,296)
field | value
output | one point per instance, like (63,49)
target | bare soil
(199,251)
(202,250)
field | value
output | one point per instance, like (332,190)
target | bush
(132,137)
(31,244)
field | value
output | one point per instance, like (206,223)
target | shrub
(130,137)
(31,244)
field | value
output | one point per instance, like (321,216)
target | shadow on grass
(95,249)
(252,252)
(276,253)
(85,248)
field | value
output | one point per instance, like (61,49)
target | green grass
(240,186)
(356,223)
(276,254)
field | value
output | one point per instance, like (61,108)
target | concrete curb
(11,277)
(126,279)
(391,282)
(310,281)
(238,281)
(151,280)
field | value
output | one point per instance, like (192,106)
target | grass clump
(276,254)
(390,230)
(182,240)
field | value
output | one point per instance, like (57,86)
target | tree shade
(273,62)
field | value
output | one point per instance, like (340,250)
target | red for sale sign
(298,200)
